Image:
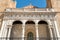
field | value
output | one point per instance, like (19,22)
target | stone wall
(56,6)
(43,30)
(58,21)
(1,19)
(6,4)
(16,31)
(10,4)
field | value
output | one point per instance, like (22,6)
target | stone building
(30,22)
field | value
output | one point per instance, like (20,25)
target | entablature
(29,15)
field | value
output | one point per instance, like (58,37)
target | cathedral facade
(30,22)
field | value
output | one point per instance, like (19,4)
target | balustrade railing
(30,10)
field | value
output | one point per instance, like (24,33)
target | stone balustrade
(30,10)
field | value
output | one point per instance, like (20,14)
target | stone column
(50,30)
(36,25)
(9,31)
(3,33)
(23,29)
(56,28)
(6,29)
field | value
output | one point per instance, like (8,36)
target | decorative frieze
(31,15)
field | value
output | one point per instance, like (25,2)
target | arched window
(30,36)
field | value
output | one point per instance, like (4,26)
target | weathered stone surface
(4,4)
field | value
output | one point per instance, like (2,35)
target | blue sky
(36,3)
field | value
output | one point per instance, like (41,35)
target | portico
(28,22)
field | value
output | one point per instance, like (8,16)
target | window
(30,36)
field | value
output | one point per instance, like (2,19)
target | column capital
(36,21)
(24,21)
(9,26)
(50,26)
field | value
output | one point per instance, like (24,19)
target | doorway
(30,36)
